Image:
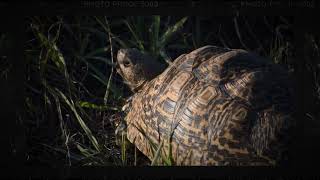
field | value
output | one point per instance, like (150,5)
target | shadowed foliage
(73,95)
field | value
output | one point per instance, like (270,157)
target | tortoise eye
(126,63)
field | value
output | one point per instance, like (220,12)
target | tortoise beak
(118,69)
(120,55)
(117,66)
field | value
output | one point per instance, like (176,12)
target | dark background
(54,67)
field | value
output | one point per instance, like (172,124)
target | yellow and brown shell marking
(214,106)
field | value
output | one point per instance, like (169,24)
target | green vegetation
(73,94)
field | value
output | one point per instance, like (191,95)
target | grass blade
(154,34)
(98,51)
(170,31)
(78,117)
(157,155)
(86,104)
(134,34)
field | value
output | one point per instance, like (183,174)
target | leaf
(94,106)
(53,50)
(139,41)
(170,31)
(83,151)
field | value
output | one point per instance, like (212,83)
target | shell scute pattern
(216,106)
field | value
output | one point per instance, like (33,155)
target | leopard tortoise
(212,106)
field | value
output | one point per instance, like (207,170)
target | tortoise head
(137,68)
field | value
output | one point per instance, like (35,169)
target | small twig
(135,156)
(105,99)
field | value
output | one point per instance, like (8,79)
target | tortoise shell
(214,106)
